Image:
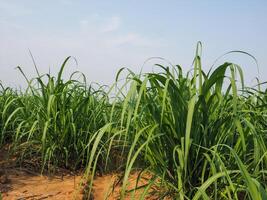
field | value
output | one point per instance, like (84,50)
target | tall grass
(202,140)
(197,134)
(53,119)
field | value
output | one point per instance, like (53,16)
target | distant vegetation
(198,135)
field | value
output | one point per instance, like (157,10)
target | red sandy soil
(24,184)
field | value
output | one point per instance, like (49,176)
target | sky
(104,36)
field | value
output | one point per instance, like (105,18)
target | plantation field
(159,135)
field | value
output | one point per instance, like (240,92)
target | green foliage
(211,140)
(199,135)
(54,119)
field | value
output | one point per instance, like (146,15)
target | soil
(23,185)
(18,183)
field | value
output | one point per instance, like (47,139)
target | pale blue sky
(107,35)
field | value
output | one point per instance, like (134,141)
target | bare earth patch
(22,185)
(25,184)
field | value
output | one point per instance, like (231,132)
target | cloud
(84,24)
(99,24)
(112,24)
(133,39)
(110,32)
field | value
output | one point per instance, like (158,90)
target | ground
(23,183)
